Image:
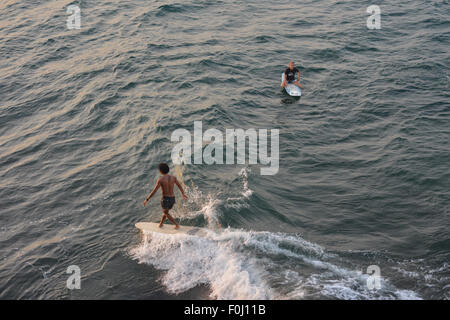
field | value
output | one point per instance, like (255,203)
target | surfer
(289,76)
(166,182)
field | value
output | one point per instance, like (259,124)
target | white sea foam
(192,261)
(247,192)
(199,204)
(425,271)
(240,201)
(206,205)
(240,264)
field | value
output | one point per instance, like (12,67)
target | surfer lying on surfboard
(166,182)
(289,76)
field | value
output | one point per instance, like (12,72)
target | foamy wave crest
(238,264)
(191,261)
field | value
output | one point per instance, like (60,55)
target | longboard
(291,88)
(147,227)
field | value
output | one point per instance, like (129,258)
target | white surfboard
(148,227)
(291,88)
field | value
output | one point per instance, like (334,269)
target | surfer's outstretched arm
(158,184)
(181,188)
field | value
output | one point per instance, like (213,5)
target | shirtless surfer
(166,182)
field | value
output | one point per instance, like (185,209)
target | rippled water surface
(86,115)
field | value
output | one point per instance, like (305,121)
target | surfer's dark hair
(163,167)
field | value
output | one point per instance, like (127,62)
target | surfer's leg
(171,219)
(162,220)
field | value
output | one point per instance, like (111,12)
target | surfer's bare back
(166,182)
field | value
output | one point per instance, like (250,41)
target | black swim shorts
(167,202)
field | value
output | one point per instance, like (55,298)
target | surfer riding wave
(166,182)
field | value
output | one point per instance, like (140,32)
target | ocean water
(86,116)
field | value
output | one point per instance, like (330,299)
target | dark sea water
(364,179)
